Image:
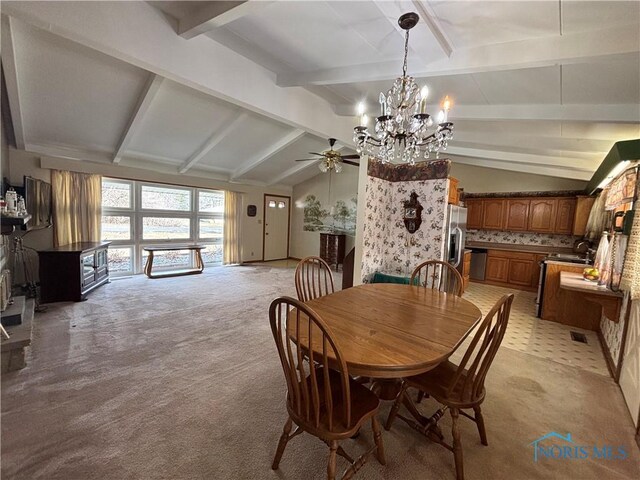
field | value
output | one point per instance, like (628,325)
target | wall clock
(412,213)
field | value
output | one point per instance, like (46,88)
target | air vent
(578,337)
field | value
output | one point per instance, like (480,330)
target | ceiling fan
(331,159)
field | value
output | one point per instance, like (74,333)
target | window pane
(164,228)
(211,228)
(116,194)
(211,202)
(169,259)
(116,227)
(120,260)
(162,198)
(212,254)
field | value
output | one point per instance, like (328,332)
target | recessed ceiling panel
(602,82)
(472,23)
(70,94)
(179,121)
(245,143)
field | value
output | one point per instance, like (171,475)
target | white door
(630,372)
(276,227)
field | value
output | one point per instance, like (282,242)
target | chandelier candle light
(403,130)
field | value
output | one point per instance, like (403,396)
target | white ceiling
(238,90)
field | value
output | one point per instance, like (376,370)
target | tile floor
(541,338)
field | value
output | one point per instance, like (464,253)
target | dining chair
(437,275)
(457,387)
(313,279)
(440,276)
(321,397)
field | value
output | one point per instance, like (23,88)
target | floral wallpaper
(612,331)
(388,246)
(521,238)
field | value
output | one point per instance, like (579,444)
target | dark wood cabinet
(475,210)
(565,213)
(69,272)
(542,214)
(332,248)
(520,271)
(493,214)
(517,214)
(497,269)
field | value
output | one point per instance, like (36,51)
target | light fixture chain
(406,53)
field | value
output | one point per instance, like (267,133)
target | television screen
(37,196)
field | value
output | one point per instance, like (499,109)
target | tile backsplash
(521,238)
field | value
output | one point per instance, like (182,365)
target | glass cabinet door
(88,271)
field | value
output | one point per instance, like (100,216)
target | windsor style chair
(437,275)
(313,279)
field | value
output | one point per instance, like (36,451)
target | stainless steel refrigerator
(456,232)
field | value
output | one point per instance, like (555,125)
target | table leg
(386,388)
(199,261)
(149,265)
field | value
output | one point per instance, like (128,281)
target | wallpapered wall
(521,238)
(612,331)
(388,246)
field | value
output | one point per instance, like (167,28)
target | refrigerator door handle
(459,252)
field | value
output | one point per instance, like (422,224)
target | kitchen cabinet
(466,270)
(565,213)
(520,271)
(497,269)
(493,213)
(517,214)
(475,211)
(581,215)
(454,197)
(542,213)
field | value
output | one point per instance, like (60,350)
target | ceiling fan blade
(350,157)
(306,159)
(316,153)
(349,162)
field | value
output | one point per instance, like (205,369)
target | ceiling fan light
(323,167)
(338,167)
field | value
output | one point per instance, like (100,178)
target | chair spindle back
(295,328)
(313,279)
(482,350)
(437,275)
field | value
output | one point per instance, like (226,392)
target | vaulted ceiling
(238,90)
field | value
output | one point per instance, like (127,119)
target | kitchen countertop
(574,281)
(520,248)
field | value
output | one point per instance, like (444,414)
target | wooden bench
(173,273)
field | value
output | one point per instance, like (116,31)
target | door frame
(264,223)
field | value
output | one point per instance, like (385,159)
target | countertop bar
(574,281)
(519,248)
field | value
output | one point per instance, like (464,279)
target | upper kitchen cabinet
(492,217)
(542,215)
(565,213)
(517,214)
(583,209)
(475,212)
(454,196)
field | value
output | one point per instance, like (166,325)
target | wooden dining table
(391,331)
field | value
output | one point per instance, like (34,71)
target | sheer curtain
(232,228)
(77,207)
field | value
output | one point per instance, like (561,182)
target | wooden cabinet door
(565,214)
(520,271)
(492,218)
(542,215)
(453,191)
(497,269)
(517,215)
(583,209)
(475,209)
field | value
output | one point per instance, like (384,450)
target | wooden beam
(135,121)
(513,166)
(11,81)
(213,140)
(536,52)
(267,153)
(216,14)
(431,19)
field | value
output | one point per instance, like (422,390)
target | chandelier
(404,130)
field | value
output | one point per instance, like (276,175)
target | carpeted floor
(179,379)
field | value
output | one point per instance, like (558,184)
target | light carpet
(178,378)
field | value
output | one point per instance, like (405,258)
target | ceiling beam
(431,19)
(145,39)
(544,142)
(537,52)
(11,81)
(617,113)
(512,166)
(267,153)
(216,14)
(135,121)
(213,140)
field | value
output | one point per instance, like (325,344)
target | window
(139,214)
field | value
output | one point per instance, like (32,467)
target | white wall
(27,163)
(485,180)
(344,186)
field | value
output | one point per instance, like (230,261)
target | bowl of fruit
(591,274)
